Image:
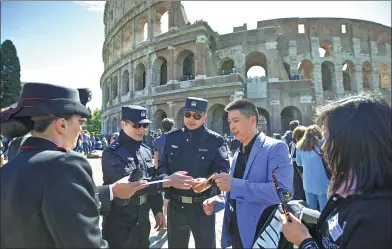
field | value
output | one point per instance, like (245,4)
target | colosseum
(306,61)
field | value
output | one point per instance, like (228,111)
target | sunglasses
(204,185)
(137,126)
(196,116)
(284,195)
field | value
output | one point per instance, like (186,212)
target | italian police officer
(127,225)
(48,196)
(200,153)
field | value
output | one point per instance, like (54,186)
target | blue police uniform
(200,152)
(127,223)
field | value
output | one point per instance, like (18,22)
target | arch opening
(217,117)
(140,77)
(180,118)
(256,65)
(114,125)
(161,21)
(328,78)
(305,68)
(115,87)
(289,114)
(348,71)
(158,117)
(325,49)
(227,67)
(186,65)
(263,124)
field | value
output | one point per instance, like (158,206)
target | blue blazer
(256,190)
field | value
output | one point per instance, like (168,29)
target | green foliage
(94,124)
(10,85)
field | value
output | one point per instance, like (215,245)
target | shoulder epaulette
(175,131)
(213,133)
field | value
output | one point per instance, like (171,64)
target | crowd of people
(340,165)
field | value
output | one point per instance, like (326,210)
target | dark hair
(167,124)
(293,124)
(41,123)
(358,147)
(298,133)
(245,107)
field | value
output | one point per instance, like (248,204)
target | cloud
(98,6)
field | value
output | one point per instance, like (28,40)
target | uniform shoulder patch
(60,148)
(223,152)
(213,133)
(174,131)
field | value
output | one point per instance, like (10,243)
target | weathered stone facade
(148,70)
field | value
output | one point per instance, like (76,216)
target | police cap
(135,113)
(196,105)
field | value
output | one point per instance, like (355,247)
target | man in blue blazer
(249,186)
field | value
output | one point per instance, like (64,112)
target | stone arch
(105,93)
(328,75)
(227,66)
(264,121)
(161,20)
(160,71)
(288,114)
(325,49)
(125,82)
(180,118)
(140,77)
(117,45)
(217,119)
(287,69)
(115,87)
(141,26)
(383,75)
(348,71)
(158,117)
(256,59)
(114,125)
(367,78)
(185,63)
(305,68)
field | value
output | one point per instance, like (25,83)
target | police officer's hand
(223,181)
(178,180)
(209,206)
(294,231)
(160,222)
(124,189)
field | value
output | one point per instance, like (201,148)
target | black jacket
(126,157)
(49,199)
(358,221)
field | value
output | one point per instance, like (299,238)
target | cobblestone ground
(157,240)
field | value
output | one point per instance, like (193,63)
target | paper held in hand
(153,182)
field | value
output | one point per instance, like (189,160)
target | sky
(60,42)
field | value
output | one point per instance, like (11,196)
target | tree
(94,124)
(10,85)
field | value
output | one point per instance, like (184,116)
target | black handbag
(270,235)
(327,170)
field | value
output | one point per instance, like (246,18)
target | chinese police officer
(200,152)
(127,224)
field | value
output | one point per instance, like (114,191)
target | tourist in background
(358,150)
(315,181)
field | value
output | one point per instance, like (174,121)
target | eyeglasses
(205,185)
(137,126)
(196,116)
(284,195)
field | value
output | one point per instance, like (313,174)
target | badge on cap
(193,103)
(143,114)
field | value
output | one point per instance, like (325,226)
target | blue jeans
(312,199)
